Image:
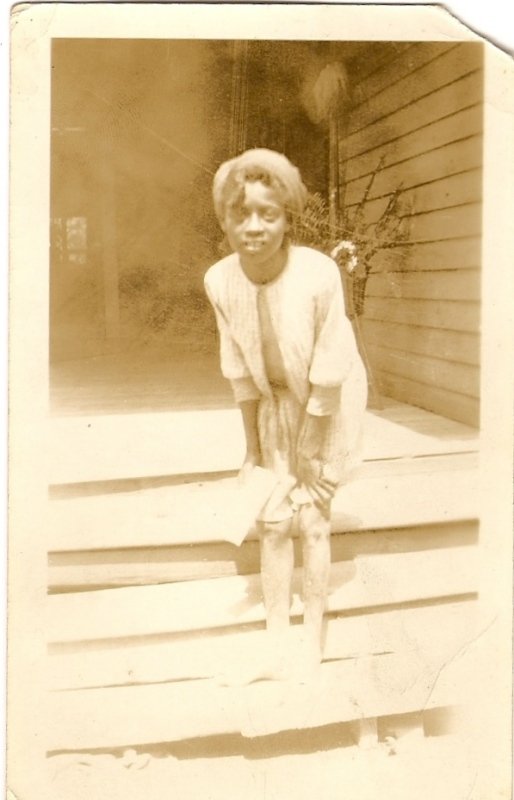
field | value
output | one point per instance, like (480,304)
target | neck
(268,271)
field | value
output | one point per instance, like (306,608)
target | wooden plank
(410,58)
(463,93)
(211,653)
(141,566)
(442,401)
(450,345)
(452,128)
(441,254)
(348,513)
(440,285)
(453,376)
(165,444)
(432,165)
(138,521)
(422,465)
(375,58)
(442,314)
(446,223)
(464,187)
(122,716)
(146,565)
(151,444)
(455,63)
(368,580)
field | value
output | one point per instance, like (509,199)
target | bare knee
(274,534)
(314,525)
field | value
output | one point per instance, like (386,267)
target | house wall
(420,109)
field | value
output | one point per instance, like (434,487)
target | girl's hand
(320,485)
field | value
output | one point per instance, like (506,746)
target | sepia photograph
(258,353)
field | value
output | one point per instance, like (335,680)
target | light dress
(288,344)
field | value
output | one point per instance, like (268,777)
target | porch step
(165,602)
(366,580)
(121,446)
(140,660)
(143,566)
(347,690)
(417,491)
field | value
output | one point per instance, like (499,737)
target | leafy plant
(355,241)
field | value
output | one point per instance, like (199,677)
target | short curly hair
(259,164)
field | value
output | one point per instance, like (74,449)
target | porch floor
(138,381)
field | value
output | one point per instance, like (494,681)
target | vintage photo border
(33,27)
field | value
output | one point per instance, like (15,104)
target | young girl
(289,352)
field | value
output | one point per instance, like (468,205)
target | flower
(350,248)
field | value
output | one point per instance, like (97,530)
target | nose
(254,223)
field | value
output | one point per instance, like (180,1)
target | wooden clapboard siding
(401,62)
(430,256)
(422,122)
(440,162)
(439,133)
(451,345)
(371,69)
(449,285)
(457,95)
(446,223)
(453,190)
(450,403)
(443,314)
(430,371)
(207,654)
(454,63)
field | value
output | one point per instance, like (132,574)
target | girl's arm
(335,348)
(246,394)
(334,352)
(253,447)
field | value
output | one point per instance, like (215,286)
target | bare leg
(314,523)
(277,563)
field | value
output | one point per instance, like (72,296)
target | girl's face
(255,224)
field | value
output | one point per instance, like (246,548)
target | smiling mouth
(257,245)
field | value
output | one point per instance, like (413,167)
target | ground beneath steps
(423,769)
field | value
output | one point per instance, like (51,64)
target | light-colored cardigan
(315,337)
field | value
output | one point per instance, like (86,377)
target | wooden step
(196,512)
(81,665)
(347,690)
(185,442)
(369,579)
(142,566)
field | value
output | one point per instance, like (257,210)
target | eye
(271,214)
(238,213)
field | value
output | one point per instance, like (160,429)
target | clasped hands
(318,478)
